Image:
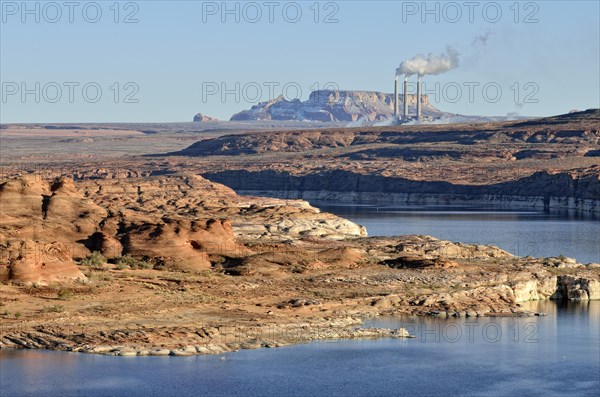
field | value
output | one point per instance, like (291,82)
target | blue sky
(540,58)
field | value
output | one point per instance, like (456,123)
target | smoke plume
(422,65)
(482,38)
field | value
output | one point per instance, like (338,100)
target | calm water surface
(555,355)
(522,233)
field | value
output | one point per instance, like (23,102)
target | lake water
(522,233)
(555,355)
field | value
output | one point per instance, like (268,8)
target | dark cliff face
(545,158)
(539,184)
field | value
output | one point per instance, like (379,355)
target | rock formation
(37,262)
(574,130)
(181,221)
(541,164)
(42,225)
(332,105)
(342,186)
(201,118)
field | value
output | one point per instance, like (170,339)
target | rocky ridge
(542,190)
(573,129)
(538,164)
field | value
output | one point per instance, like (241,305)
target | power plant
(421,65)
(396,97)
(405,115)
(419,98)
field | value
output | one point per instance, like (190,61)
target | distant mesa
(201,118)
(333,105)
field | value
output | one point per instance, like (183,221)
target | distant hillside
(572,129)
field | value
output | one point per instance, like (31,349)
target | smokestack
(423,65)
(405,116)
(419,98)
(396,97)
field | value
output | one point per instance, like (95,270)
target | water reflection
(521,233)
(562,357)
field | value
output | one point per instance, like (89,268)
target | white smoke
(516,114)
(482,38)
(431,64)
(386,122)
(361,122)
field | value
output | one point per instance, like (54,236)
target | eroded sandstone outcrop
(181,242)
(182,221)
(252,218)
(42,225)
(37,262)
(577,288)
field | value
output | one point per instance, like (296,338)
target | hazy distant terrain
(522,163)
(535,158)
(57,142)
